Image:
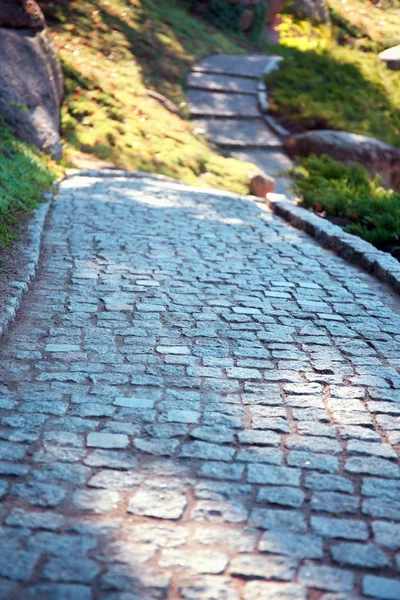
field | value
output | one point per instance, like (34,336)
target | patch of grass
(379,22)
(327,186)
(25,174)
(112,50)
(322,84)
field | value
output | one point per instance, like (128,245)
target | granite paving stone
(226,434)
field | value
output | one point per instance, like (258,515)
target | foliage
(322,84)
(225,15)
(112,51)
(25,175)
(326,185)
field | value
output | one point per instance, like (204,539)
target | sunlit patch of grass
(112,51)
(324,85)
(378,24)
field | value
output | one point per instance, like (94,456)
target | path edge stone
(332,237)
(29,248)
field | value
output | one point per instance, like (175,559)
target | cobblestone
(196,402)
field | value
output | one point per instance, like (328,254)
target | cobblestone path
(197,402)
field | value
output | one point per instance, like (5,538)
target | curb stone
(30,251)
(349,247)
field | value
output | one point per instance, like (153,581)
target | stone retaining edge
(29,249)
(349,247)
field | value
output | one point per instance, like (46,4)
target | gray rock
(326,578)
(348,529)
(31,88)
(70,569)
(359,555)
(266,567)
(294,545)
(376,156)
(39,494)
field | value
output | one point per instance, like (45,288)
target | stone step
(217,104)
(222,83)
(239,133)
(253,66)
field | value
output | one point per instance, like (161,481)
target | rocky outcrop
(21,14)
(376,156)
(31,85)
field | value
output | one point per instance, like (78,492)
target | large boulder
(376,156)
(21,14)
(31,85)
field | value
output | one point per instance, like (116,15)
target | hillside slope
(113,52)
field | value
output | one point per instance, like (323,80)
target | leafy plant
(24,175)
(322,84)
(332,188)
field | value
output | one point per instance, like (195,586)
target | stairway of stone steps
(227,102)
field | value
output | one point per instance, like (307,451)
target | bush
(348,192)
(25,175)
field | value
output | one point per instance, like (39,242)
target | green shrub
(225,15)
(327,186)
(25,175)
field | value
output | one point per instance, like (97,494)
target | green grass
(112,50)
(367,24)
(324,83)
(331,188)
(25,174)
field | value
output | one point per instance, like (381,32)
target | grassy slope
(112,50)
(327,84)
(24,175)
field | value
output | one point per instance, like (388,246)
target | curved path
(227,100)
(197,402)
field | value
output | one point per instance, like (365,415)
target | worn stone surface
(252,66)
(217,104)
(375,155)
(222,83)
(236,133)
(219,439)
